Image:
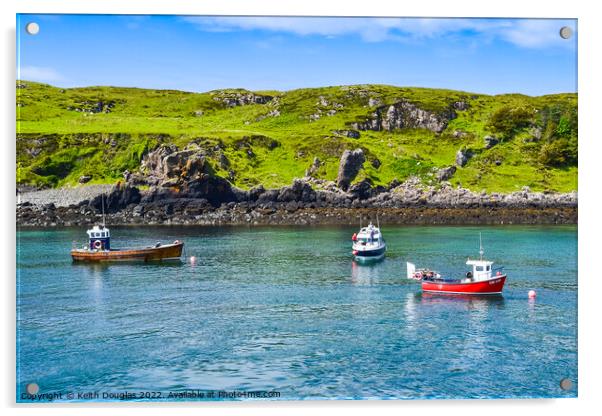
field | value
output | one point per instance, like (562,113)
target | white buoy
(532,294)
(192,260)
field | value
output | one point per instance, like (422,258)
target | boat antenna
(481,251)
(377,223)
(102,203)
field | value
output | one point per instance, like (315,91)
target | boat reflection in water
(364,273)
(471,300)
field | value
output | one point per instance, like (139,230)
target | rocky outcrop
(405,115)
(445,174)
(349,166)
(463,156)
(234,99)
(460,105)
(118,198)
(299,191)
(352,134)
(93,107)
(167,165)
(362,190)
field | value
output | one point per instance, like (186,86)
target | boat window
(95,234)
(479,268)
(488,267)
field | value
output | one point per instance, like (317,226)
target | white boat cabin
(481,270)
(100,238)
(368,235)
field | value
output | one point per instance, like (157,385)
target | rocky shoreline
(176,186)
(300,204)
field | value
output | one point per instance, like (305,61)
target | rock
(272,113)
(376,163)
(313,169)
(84,179)
(269,196)
(166,163)
(169,183)
(460,105)
(224,163)
(462,157)
(212,188)
(255,192)
(374,102)
(300,191)
(498,162)
(445,174)
(349,166)
(490,141)
(405,115)
(352,134)
(198,113)
(361,190)
(394,183)
(234,99)
(120,196)
(459,134)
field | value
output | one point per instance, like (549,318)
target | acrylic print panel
(284,208)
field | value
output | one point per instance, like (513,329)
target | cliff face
(237,140)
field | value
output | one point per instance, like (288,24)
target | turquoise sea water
(286,310)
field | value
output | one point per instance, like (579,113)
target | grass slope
(61,135)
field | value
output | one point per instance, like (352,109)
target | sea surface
(286,313)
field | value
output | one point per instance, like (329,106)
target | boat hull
(374,254)
(165,252)
(493,286)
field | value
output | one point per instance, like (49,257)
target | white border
(589,223)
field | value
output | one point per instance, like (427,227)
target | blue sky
(262,53)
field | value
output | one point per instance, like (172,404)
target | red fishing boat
(482,279)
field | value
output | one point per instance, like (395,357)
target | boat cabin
(369,234)
(481,269)
(100,238)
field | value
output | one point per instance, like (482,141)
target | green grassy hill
(271,137)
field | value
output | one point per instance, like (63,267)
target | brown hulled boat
(99,249)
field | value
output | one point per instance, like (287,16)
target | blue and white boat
(368,244)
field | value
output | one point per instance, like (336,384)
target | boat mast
(481,251)
(102,203)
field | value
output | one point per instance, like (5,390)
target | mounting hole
(566,32)
(566,384)
(32,388)
(32,28)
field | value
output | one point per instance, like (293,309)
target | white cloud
(536,33)
(38,73)
(527,33)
